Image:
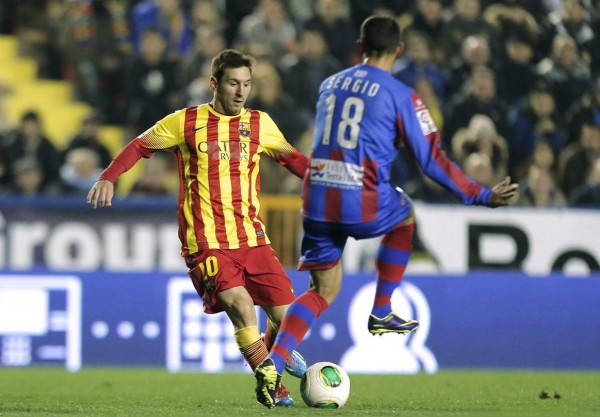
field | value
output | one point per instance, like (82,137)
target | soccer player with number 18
(364,118)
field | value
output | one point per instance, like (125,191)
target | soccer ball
(325,385)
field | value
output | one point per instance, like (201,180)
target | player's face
(232,92)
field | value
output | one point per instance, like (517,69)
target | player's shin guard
(392,258)
(300,315)
(251,345)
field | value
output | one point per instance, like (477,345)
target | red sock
(392,258)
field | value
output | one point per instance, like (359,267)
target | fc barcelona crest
(244,129)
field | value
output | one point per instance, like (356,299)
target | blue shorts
(323,242)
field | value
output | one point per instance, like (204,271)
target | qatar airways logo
(225,150)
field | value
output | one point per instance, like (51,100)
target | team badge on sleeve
(425,121)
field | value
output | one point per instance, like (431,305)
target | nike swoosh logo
(199,128)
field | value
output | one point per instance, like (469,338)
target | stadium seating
(60,113)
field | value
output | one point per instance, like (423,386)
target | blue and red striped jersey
(364,115)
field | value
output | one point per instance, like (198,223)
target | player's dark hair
(230,58)
(380,35)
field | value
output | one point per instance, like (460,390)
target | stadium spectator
(480,137)
(198,90)
(80,171)
(270,97)
(587,107)
(418,64)
(426,17)
(270,28)
(89,137)
(312,65)
(568,75)
(588,194)
(28,179)
(361,9)
(361,203)
(28,140)
(169,18)
(204,15)
(39,32)
(544,157)
(577,158)
(465,20)
(479,97)
(153,82)
(235,11)
(336,28)
(539,189)
(475,52)
(516,71)
(157,177)
(95,46)
(592,47)
(478,167)
(508,19)
(536,120)
(92,44)
(207,43)
(223,240)
(300,11)
(573,20)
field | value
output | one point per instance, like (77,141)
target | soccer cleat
(295,365)
(283,397)
(267,381)
(391,324)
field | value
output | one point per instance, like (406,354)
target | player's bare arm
(503,193)
(103,191)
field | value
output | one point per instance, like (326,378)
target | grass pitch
(155,392)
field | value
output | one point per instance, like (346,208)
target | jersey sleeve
(421,136)
(277,147)
(164,135)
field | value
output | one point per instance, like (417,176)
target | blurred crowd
(513,85)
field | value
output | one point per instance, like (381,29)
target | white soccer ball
(325,385)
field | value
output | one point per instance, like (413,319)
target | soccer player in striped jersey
(218,146)
(364,118)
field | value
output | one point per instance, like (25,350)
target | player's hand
(504,193)
(102,191)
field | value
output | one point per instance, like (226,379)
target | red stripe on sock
(385,271)
(382,300)
(281,351)
(297,326)
(400,238)
(314,301)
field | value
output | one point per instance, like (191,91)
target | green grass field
(155,392)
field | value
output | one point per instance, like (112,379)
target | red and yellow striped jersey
(218,160)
